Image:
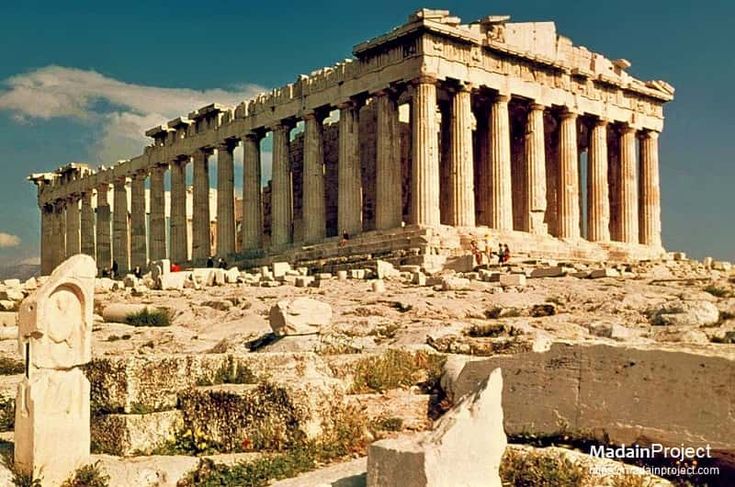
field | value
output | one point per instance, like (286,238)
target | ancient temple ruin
(491,131)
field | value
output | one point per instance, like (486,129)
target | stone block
(280,268)
(6,305)
(512,280)
(411,408)
(12,283)
(707,262)
(134,434)
(324,276)
(555,271)
(172,281)
(303,271)
(300,316)
(8,318)
(419,278)
(288,279)
(464,448)
(357,274)
(463,263)
(12,294)
(606,272)
(232,275)
(455,284)
(385,270)
(678,256)
(722,265)
(304,281)
(342,275)
(378,286)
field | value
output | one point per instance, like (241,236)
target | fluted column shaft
(501,190)
(535,171)
(47,243)
(157,242)
(568,190)
(59,233)
(598,199)
(138,237)
(252,214)
(650,197)
(87,225)
(349,172)
(425,155)
(179,236)
(281,211)
(225,199)
(201,248)
(388,197)
(104,254)
(461,163)
(120,231)
(628,187)
(72,227)
(314,207)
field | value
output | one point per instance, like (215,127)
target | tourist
(221,263)
(501,253)
(138,272)
(175,267)
(506,254)
(345,239)
(210,262)
(476,252)
(113,271)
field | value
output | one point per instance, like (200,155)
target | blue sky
(167,58)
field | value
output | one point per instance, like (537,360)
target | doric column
(120,231)
(179,236)
(201,249)
(425,154)
(388,198)
(47,243)
(157,241)
(535,171)
(650,197)
(314,207)
(568,191)
(252,211)
(138,238)
(281,211)
(87,225)
(104,255)
(501,196)
(628,186)
(349,172)
(72,226)
(225,199)
(461,165)
(59,233)
(598,199)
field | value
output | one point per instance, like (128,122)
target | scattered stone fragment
(606,272)
(541,310)
(300,316)
(685,313)
(378,286)
(280,268)
(342,275)
(512,280)
(304,281)
(455,284)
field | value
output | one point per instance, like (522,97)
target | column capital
(226,145)
(424,79)
(602,121)
(285,125)
(103,187)
(628,129)
(351,103)
(502,98)
(316,114)
(254,134)
(568,113)
(649,134)
(536,106)
(455,86)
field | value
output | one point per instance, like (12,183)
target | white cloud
(8,240)
(124,111)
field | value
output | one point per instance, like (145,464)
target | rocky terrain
(248,367)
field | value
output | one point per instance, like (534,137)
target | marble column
(157,233)
(461,165)
(87,225)
(72,226)
(598,198)
(138,237)
(201,249)
(349,172)
(59,233)
(388,198)
(47,224)
(225,199)
(281,197)
(501,190)
(252,211)
(628,186)
(104,254)
(650,195)
(535,171)
(314,207)
(424,154)
(568,189)
(120,228)
(179,236)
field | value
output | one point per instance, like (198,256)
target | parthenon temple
(430,137)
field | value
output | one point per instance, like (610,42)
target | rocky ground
(481,312)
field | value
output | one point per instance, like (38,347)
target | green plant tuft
(88,476)
(396,369)
(158,317)
(11,366)
(535,470)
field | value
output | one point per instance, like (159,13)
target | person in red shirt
(175,267)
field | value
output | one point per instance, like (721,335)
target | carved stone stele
(52,436)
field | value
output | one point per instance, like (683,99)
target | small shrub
(388,424)
(719,292)
(24,480)
(157,317)
(536,470)
(493,313)
(395,369)
(486,331)
(11,366)
(7,414)
(88,476)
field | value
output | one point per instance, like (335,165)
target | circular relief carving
(63,313)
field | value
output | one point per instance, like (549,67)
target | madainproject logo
(653,451)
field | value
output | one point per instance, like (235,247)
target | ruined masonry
(52,435)
(446,133)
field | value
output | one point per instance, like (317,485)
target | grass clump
(11,366)
(388,424)
(88,476)
(7,414)
(717,291)
(158,317)
(396,369)
(535,470)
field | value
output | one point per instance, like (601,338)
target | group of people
(503,253)
(221,263)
